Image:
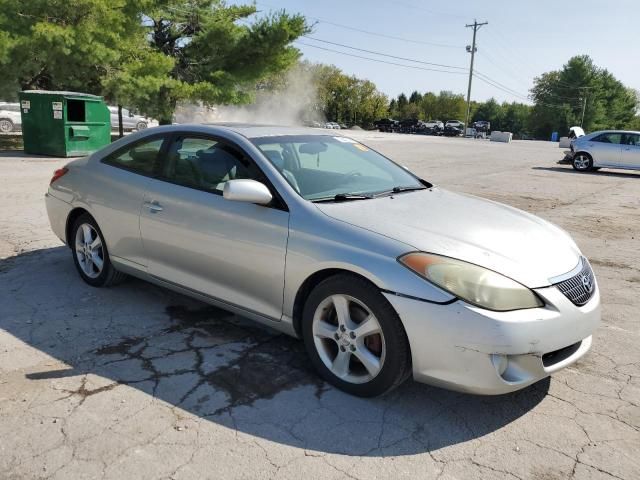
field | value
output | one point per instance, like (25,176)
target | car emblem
(587,283)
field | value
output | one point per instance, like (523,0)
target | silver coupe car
(382,274)
(606,149)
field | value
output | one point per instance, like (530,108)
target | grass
(11,142)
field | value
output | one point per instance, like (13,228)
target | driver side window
(206,164)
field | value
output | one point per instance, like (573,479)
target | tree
(347,99)
(492,111)
(217,59)
(415,97)
(150,54)
(515,118)
(561,96)
(63,44)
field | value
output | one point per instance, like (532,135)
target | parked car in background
(454,123)
(482,128)
(434,127)
(332,126)
(130,121)
(453,128)
(387,125)
(386,275)
(10,119)
(410,125)
(606,149)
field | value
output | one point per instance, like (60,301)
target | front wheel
(354,337)
(6,125)
(141,125)
(582,162)
(90,254)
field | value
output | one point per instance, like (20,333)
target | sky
(522,40)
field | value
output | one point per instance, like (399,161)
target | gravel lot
(138,382)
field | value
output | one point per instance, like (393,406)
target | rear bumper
(469,349)
(58,212)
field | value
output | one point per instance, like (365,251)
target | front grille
(579,288)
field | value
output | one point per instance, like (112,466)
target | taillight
(58,173)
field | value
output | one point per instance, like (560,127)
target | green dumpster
(64,124)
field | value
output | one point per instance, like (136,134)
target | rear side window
(143,157)
(615,138)
(206,164)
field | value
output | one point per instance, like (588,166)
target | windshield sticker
(361,147)
(344,140)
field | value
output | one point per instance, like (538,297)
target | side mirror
(246,190)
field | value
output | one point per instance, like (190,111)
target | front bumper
(470,349)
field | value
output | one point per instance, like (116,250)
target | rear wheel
(6,125)
(354,337)
(582,162)
(90,254)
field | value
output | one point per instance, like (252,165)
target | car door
(630,154)
(193,237)
(605,148)
(117,191)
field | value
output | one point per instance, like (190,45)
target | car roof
(250,130)
(615,131)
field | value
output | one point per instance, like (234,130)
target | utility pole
(476,26)
(584,107)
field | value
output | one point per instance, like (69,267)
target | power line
(415,67)
(382,35)
(554,105)
(483,53)
(477,73)
(383,54)
(375,34)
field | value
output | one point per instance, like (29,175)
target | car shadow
(224,368)
(604,173)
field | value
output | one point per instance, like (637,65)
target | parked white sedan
(10,119)
(130,121)
(607,149)
(383,274)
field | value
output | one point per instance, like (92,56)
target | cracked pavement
(138,382)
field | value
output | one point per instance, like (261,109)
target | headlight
(471,283)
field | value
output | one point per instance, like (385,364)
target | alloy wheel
(581,162)
(348,339)
(89,250)
(6,126)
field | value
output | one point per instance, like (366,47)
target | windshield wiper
(343,197)
(400,190)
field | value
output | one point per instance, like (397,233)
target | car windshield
(323,167)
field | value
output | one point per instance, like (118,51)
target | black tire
(108,275)
(578,162)
(6,125)
(141,126)
(396,364)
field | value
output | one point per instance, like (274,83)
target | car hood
(504,239)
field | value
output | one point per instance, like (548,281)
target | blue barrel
(554,136)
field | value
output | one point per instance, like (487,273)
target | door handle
(153,206)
